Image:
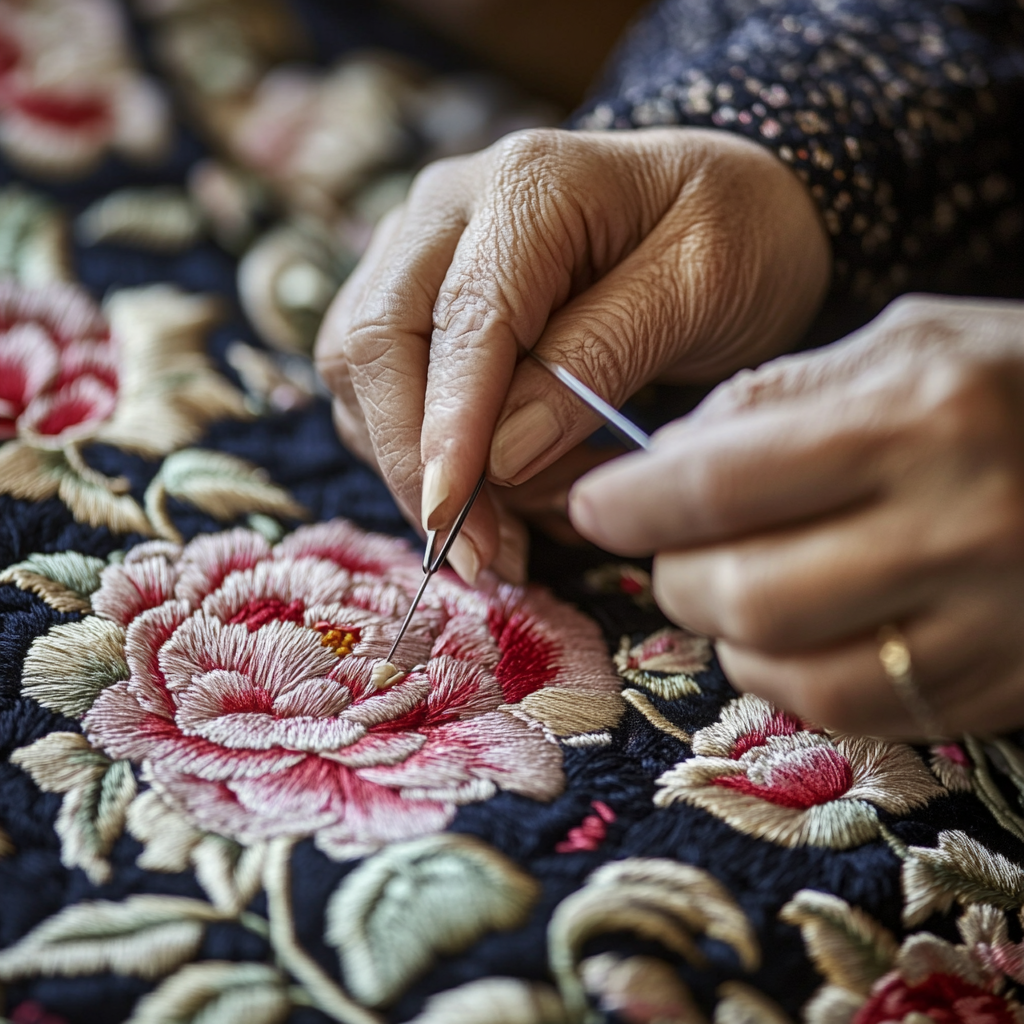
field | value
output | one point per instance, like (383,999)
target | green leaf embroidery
(97,792)
(217,992)
(33,242)
(145,936)
(959,868)
(63,580)
(67,668)
(494,1001)
(436,895)
(849,949)
(220,485)
(657,899)
(230,874)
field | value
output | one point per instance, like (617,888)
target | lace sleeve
(905,118)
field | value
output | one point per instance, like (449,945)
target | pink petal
(65,311)
(145,580)
(274,659)
(495,747)
(122,729)
(29,360)
(147,633)
(347,546)
(70,411)
(89,358)
(378,749)
(460,689)
(208,559)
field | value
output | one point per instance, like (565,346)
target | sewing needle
(627,431)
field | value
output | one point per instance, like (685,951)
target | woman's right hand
(620,255)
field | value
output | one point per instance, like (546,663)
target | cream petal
(146,635)
(378,749)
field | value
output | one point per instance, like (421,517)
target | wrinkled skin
(809,502)
(621,255)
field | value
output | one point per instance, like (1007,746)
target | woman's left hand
(809,503)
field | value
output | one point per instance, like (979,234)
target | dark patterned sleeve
(905,118)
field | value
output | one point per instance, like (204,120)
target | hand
(620,255)
(810,502)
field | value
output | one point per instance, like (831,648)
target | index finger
(704,482)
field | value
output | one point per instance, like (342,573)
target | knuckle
(528,149)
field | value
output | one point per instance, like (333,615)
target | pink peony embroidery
(943,998)
(768,774)
(69,90)
(58,363)
(251,703)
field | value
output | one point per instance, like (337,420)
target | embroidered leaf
(569,712)
(33,242)
(230,874)
(436,895)
(97,792)
(221,485)
(93,503)
(145,936)
(833,1005)
(639,988)
(848,948)
(217,992)
(163,219)
(67,668)
(494,1001)
(657,899)
(959,868)
(741,1004)
(29,473)
(63,580)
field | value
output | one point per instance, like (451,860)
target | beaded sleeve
(905,118)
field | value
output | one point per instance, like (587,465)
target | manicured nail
(435,490)
(527,433)
(513,545)
(464,559)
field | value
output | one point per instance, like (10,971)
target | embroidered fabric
(557,811)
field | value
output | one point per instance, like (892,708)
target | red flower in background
(69,89)
(58,364)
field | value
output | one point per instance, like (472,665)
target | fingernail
(513,545)
(464,559)
(435,490)
(527,433)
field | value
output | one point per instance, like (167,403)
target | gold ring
(894,654)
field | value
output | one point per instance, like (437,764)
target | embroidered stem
(895,843)
(988,792)
(654,716)
(114,484)
(325,993)
(155,504)
(257,925)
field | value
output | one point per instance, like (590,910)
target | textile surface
(217,804)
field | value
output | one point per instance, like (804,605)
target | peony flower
(770,775)
(254,702)
(69,90)
(132,375)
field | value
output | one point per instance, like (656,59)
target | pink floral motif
(772,776)
(58,363)
(944,998)
(591,832)
(69,90)
(254,708)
